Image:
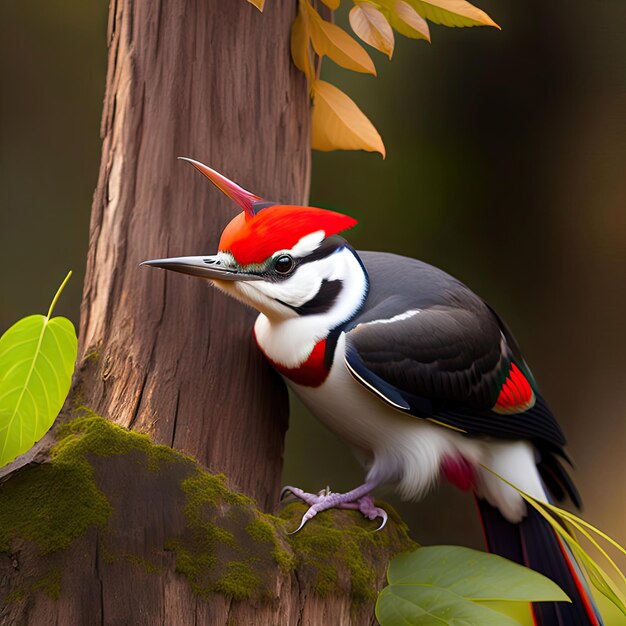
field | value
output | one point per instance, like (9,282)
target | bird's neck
(290,342)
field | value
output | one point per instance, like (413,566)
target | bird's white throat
(289,341)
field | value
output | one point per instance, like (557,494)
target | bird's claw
(371,511)
(311,512)
(383,515)
(309,498)
(326,499)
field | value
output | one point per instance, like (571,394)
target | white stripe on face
(309,243)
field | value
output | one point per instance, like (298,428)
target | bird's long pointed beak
(203,266)
(245,199)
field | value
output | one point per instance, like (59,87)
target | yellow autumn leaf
(300,49)
(332,4)
(407,21)
(330,40)
(339,124)
(452,13)
(258,4)
(372,27)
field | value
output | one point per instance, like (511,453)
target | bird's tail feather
(533,543)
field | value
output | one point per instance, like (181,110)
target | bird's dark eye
(284,264)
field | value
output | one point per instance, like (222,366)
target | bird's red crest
(278,227)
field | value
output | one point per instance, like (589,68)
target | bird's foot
(358,499)
(368,509)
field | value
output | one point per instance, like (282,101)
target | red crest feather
(278,227)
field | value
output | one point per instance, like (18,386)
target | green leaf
(440,585)
(406,20)
(37,356)
(407,605)
(457,13)
(472,574)
(519,611)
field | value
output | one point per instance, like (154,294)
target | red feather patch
(279,227)
(459,471)
(312,373)
(516,395)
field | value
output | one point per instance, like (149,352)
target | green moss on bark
(55,503)
(231,547)
(239,581)
(52,504)
(228,545)
(92,434)
(266,529)
(339,550)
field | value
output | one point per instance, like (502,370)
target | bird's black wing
(439,352)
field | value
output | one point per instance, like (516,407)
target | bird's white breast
(398,448)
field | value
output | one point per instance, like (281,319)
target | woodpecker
(417,373)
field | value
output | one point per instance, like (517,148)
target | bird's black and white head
(286,261)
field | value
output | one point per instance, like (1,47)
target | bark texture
(163,354)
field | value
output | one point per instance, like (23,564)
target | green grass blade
(598,577)
(581,529)
(571,517)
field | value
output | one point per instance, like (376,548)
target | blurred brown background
(506,167)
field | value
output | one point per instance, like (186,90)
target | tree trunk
(165,354)
(112,529)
